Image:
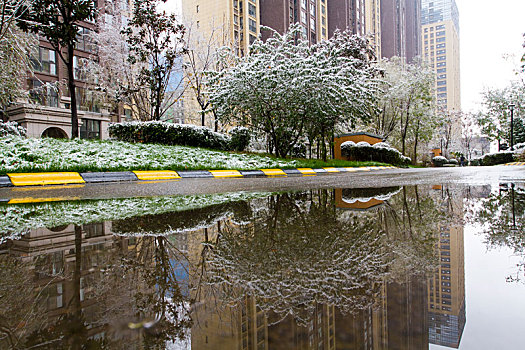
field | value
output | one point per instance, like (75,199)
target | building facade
(346,15)
(440,42)
(45,112)
(373,25)
(400,28)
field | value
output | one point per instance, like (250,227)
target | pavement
(357,178)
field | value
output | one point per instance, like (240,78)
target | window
(426,36)
(442,95)
(441,64)
(440,46)
(84,42)
(128,114)
(441,83)
(440,40)
(303,4)
(312,23)
(197,8)
(80,68)
(440,27)
(324,31)
(426,30)
(90,129)
(252,39)
(303,17)
(252,25)
(441,52)
(86,101)
(441,58)
(442,33)
(312,9)
(442,76)
(43,94)
(44,61)
(442,70)
(251,9)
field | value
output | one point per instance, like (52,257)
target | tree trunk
(72,91)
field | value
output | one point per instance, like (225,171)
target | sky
(489,30)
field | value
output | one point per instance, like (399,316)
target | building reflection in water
(397,305)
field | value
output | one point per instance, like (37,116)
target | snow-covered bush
(298,150)
(380,152)
(475,162)
(169,134)
(497,158)
(12,128)
(439,161)
(453,161)
(240,138)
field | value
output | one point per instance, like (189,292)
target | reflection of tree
(502,218)
(20,312)
(299,250)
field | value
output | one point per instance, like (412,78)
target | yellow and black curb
(515,163)
(66,178)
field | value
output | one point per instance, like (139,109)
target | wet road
(374,178)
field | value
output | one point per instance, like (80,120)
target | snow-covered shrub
(439,161)
(380,152)
(453,162)
(169,134)
(240,138)
(497,158)
(12,128)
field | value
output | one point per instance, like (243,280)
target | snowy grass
(43,155)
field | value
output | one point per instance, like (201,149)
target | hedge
(497,158)
(179,134)
(379,152)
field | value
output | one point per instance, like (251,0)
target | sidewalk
(64,178)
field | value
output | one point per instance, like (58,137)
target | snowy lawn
(38,155)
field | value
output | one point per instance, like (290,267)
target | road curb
(65,178)
(514,163)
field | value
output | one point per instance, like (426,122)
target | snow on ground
(46,154)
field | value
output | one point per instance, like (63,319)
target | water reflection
(326,269)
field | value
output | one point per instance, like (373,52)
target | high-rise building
(440,42)
(400,27)
(312,15)
(373,25)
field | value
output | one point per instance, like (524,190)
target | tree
(405,110)
(284,87)
(201,57)
(57,21)
(14,48)
(468,132)
(156,43)
(494,118)
(117,79)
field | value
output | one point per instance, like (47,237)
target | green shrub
(298,150)
(497,158)
(453,161)
(379,152)
(475,162)
(178,134)
(240,138)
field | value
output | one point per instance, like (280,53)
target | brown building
(346,14)
(310,14)
(46,109)
(401,28)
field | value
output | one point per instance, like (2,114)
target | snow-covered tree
(155,40)
(14,48)
(56,20)
(494,118)
(285,88)
(405,113)
(468,132)
(200,58)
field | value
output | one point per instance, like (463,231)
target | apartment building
(45,111)
(440,42)
(400,29)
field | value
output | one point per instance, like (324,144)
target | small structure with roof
(355,137)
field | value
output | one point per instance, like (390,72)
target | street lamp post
(511,107)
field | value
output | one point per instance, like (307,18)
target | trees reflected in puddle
(325,269)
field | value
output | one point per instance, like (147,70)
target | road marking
(306,171)
(273,172)
(225,173)
(40,200)
(29,179)
(331,170)
(156,175)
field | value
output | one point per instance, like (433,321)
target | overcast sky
(488,30)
